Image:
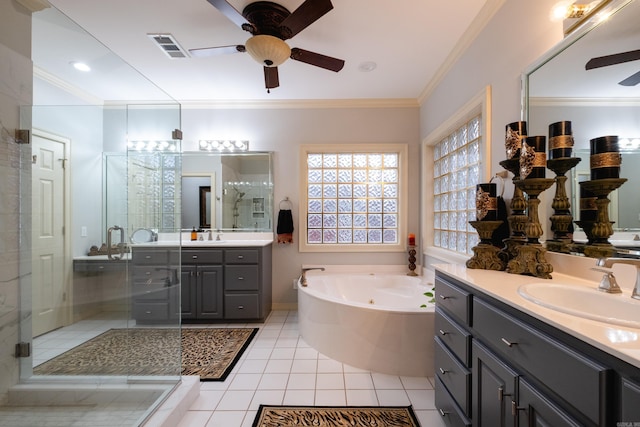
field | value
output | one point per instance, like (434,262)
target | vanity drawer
(241,256)
(152,274)
(580,381)
(155,311)
(202,256)
(142,292)
(455,376)
(241,278)
(448,409)
(453,336)
(241,306)
(146,256)
(455,300)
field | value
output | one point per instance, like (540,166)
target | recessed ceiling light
(80,66)
(367,66)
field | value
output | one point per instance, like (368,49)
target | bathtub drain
(371,301)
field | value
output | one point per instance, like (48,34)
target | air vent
(169,45)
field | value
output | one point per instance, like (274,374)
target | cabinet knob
(442,371)
(240,256)
(147,312)
(240,278)
(444,297)
(241,307)
(147,257)
(443,413)
(443,332)
(515,408)
(507,342)
(194,256)
(502,394)
(101,267)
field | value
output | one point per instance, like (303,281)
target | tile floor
(280,368)
(277,368)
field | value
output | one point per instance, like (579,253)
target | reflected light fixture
(223,145)
(151,146)
(268,50)
(629,144)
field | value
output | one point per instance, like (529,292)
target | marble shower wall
(16,77)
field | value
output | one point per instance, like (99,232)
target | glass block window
(353,198)
(456,172)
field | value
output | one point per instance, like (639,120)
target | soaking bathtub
(369,317)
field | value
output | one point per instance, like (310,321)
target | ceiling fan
(270,25)
(617,58)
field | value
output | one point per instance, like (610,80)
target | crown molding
(34,5)
(583,102)
(300,104)
(487,12)
(65,86)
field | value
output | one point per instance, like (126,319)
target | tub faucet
(303,276)
(608,263)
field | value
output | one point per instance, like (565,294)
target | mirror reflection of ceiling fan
(617,58)
(270,25)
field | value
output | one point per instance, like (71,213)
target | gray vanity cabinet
(247,280)
(154,285)
(518,370)
(202,284)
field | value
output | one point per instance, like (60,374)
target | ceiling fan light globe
(268,50)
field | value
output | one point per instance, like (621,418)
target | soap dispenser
(194,234)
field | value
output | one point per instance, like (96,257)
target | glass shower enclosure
(95,196)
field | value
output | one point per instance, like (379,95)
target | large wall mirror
(558,87)
(227,191)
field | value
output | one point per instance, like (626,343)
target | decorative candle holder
(485,255)
(412,260)
(518,218)
(602,228)
(561,219)
(530,257)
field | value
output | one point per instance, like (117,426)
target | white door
(48,240)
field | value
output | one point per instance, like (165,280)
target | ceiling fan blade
(306,14)
(322,61)
(229,11)
(271,77)
(215,51)
(632,80)
(616,58)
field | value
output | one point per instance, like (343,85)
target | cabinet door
(630,402)
(209,295)
(535,410)
(494,385)
(188,295)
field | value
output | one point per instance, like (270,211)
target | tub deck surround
(369,317)
(620,341)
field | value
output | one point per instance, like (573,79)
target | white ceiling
(408,40)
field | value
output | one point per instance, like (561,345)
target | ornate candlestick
(561,218)
(518,218)
(602,228)
(530,257)
(485,255)
(412,260)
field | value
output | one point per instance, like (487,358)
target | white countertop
(619,341)
(207,243)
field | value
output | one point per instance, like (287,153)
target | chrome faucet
(303,276)
(608,263)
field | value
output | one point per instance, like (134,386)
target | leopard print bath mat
(336,416)
(210,353)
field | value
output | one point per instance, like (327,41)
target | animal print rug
(210,353)
(340,416)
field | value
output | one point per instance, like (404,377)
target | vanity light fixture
(573,13)
(223,145)
(154,146)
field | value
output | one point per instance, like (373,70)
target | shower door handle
(120,245)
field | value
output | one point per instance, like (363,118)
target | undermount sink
(588,303)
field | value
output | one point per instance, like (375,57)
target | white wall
(516,36)
(282,131)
